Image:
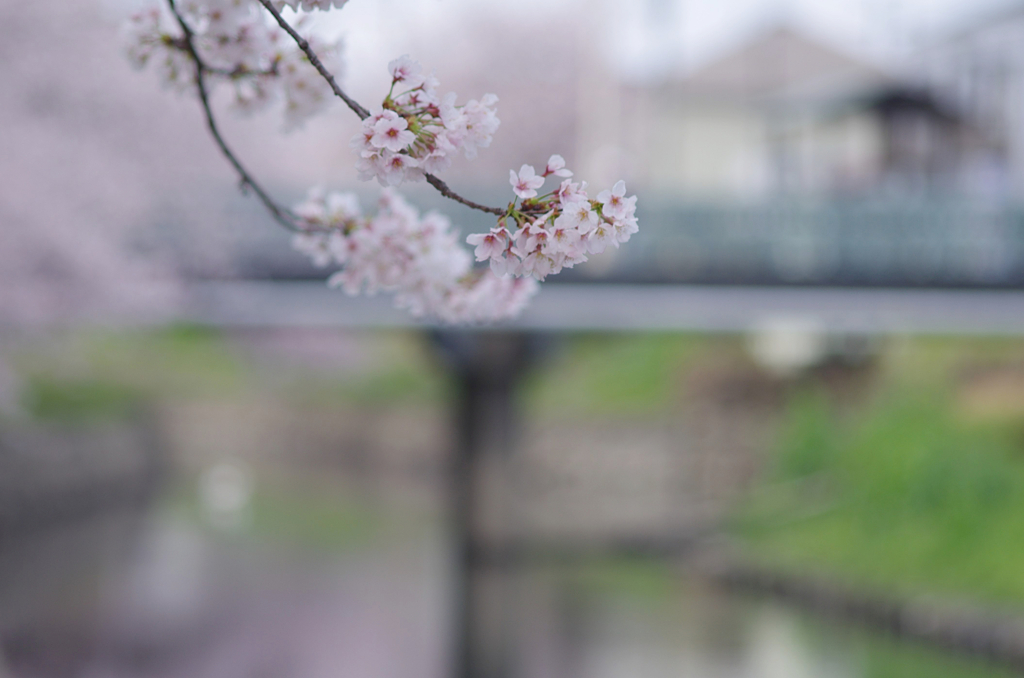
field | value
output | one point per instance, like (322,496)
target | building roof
(782,63)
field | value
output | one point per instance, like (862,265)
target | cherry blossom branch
(315,61)
(280,214)
(447,192)
(413,134)
(359,110)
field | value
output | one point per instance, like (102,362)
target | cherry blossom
(398,250)
(489,244)
(479,122)
(146,43)
(578,213)
(406,72)
(239,47)
(435,128)
(392,133)
(614,201)
(564,238)
(556,166)
(398,168)
(557,230)
(526,183)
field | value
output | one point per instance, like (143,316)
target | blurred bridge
(849,267)
(863,244)
(920,244)
(567,307)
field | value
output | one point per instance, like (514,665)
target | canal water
(166,596)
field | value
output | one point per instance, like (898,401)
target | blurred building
(790,161)
(979,70)
(785,115)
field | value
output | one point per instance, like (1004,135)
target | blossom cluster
(398,250)
(237,44)
(416,132)
(558,229)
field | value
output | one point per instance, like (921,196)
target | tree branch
(315,60)
(359,110)
(282,215)
(444,190)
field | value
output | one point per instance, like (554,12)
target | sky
(646,38)
(690,32)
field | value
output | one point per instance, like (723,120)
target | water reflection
(700,632)
(167,596)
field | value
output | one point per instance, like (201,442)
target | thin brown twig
(452,195)
(315,60)
(359,110)
(282,215)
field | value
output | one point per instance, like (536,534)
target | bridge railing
(946,244)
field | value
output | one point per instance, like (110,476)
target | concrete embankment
(996,636)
